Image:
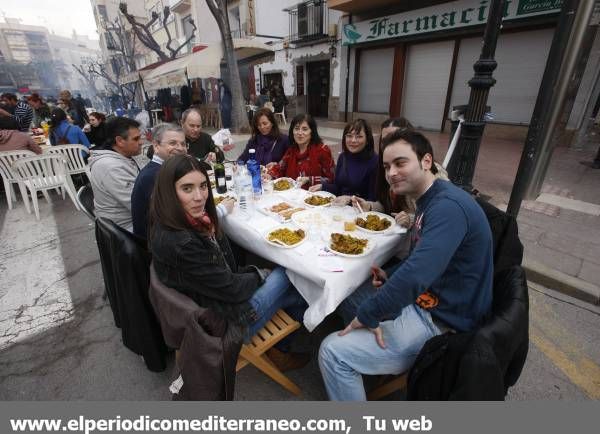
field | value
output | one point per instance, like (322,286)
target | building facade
(414,59)
(306,40)
(35,60)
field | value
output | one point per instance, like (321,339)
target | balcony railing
(308,21)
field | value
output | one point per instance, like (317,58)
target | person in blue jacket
(444,284)
(356,168)
(167,140)
(64,133)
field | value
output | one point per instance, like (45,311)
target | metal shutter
(521,61)
(375,81)
(425,87)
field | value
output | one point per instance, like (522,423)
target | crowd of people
(440,279)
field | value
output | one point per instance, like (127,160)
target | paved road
(58,340)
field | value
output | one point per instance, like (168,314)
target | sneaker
(287,361)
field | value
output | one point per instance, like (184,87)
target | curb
(564,283)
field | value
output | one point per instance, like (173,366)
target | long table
(307,265)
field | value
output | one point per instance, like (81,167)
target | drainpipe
(347,76)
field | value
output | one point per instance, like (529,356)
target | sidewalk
(560,230)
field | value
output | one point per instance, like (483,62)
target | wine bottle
(219,169)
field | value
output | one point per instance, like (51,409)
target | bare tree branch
(146,37)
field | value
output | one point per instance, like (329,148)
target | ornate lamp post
(462,164)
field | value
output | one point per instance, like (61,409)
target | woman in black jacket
(96,131)
(192,255)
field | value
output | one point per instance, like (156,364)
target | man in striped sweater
(22,112)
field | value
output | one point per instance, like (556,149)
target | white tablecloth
(306,267)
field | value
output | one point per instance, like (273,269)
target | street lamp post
(462,163)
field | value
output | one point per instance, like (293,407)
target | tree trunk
(239,119)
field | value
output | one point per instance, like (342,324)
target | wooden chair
(173,328)
(396,384)
(254,353)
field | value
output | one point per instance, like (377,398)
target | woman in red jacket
(307,160)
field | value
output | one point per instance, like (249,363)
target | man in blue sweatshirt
(444,284)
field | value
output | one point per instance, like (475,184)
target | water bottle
(243,188)
(254,169)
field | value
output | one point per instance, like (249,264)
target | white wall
(207,28)
(272,20)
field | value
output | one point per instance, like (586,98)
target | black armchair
(125,267)
(481,365)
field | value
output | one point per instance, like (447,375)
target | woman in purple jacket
(270,144)
(356,168)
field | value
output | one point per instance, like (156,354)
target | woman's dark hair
(275,133)
(356,127)
(165,208)
(401,123)
(8,123)
(314,134)
(57,115)
(420,145)
(35,97)
(100,116)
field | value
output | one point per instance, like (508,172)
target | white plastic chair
(280,115)
(7,158)
(42,173)
(73,157)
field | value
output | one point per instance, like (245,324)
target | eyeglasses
(302,130)
(175,144)
(351,137)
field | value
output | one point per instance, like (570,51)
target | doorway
(270,80)
(318,88)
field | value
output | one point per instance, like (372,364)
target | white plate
(321,194)
(368,249)
(290,180)
(281,246)
(311,217)
(230,194)
(264,206)
(378,214)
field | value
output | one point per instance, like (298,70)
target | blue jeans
(342,359)
(276,293)
(347,309)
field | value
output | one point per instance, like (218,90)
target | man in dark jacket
(445,283)
(167,140)
(200,144)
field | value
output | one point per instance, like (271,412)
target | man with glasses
(167,140)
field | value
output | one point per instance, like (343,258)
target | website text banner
(308,417)
(445,16)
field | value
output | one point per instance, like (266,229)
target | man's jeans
(276,293)
(342,359)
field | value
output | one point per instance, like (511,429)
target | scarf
(202,224)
